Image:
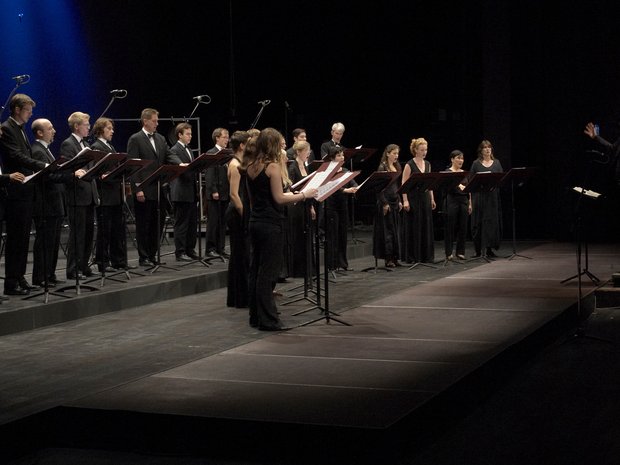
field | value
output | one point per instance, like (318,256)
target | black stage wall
(524,75)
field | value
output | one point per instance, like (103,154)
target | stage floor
(405,352)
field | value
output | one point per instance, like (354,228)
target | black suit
(325,146)
(216,181)
(148,226)
(183,196)
(81,198)
(49,214)
(111,249)
(17,156)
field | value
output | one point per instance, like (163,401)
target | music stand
(42,177)
(482,182)
(516,176)
(420,182)
(200,164)
(84,157)
(582,194)
(327,185)
(360,155)
(122,173)
(163,174)
(446,182)
(373,184)
(109,164)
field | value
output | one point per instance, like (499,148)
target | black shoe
(31,287)
(184,258)
(107,269)
(55,282)
(16,291)
(73,277)
(224,255)
(90,273)
(282,280)
(42,284)
(193,255)
(491,254)
(125,267)
(212,254)
(273,328)
(146,262)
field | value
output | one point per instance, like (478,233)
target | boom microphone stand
(19,80)
(263,104)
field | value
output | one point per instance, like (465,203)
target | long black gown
(417,224)
(486,225)
(239,261)
(386,240)
(336,225)
(297,223)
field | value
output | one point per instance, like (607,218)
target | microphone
(201,97)
(21,77)
(119,93)
(264,102)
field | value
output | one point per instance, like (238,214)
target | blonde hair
(76,118)
(415,143)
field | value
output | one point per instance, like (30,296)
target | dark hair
(333,151)
(455,153)
(298,131)
(238,138)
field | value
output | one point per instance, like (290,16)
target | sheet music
(321,176)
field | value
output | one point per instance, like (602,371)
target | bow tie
(150,135)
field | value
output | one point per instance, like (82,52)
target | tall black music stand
(581,239)
(328,187)
(516,176)
(420,182)
(163,174)
(373,185)
(42,177)
(83,158)
(446,181)
(482,182)
(356,155)
(121,174)
(199,165)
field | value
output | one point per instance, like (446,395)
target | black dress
(265,227)
(486,227)
(417,224)
(386,241)
(298,222)
(239,261)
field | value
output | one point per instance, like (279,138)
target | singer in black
(386,243)
(111,250)
(335,141)
(184,197)
(457,208)
(147,144)
(81,197)
(264,172)
(299,135)
(337,217)
(217,191)
(17,158)
(486,214)
(49,208)
(237,217)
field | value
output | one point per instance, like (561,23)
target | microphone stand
(263,104)
(19,81)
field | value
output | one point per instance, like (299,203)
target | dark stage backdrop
(526,77)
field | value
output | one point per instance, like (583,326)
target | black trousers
(81,234)
(18,224)
(216,225)
(456,224)
(46,246)
(265,264)
(149,226)
(111,247)
(185,225)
